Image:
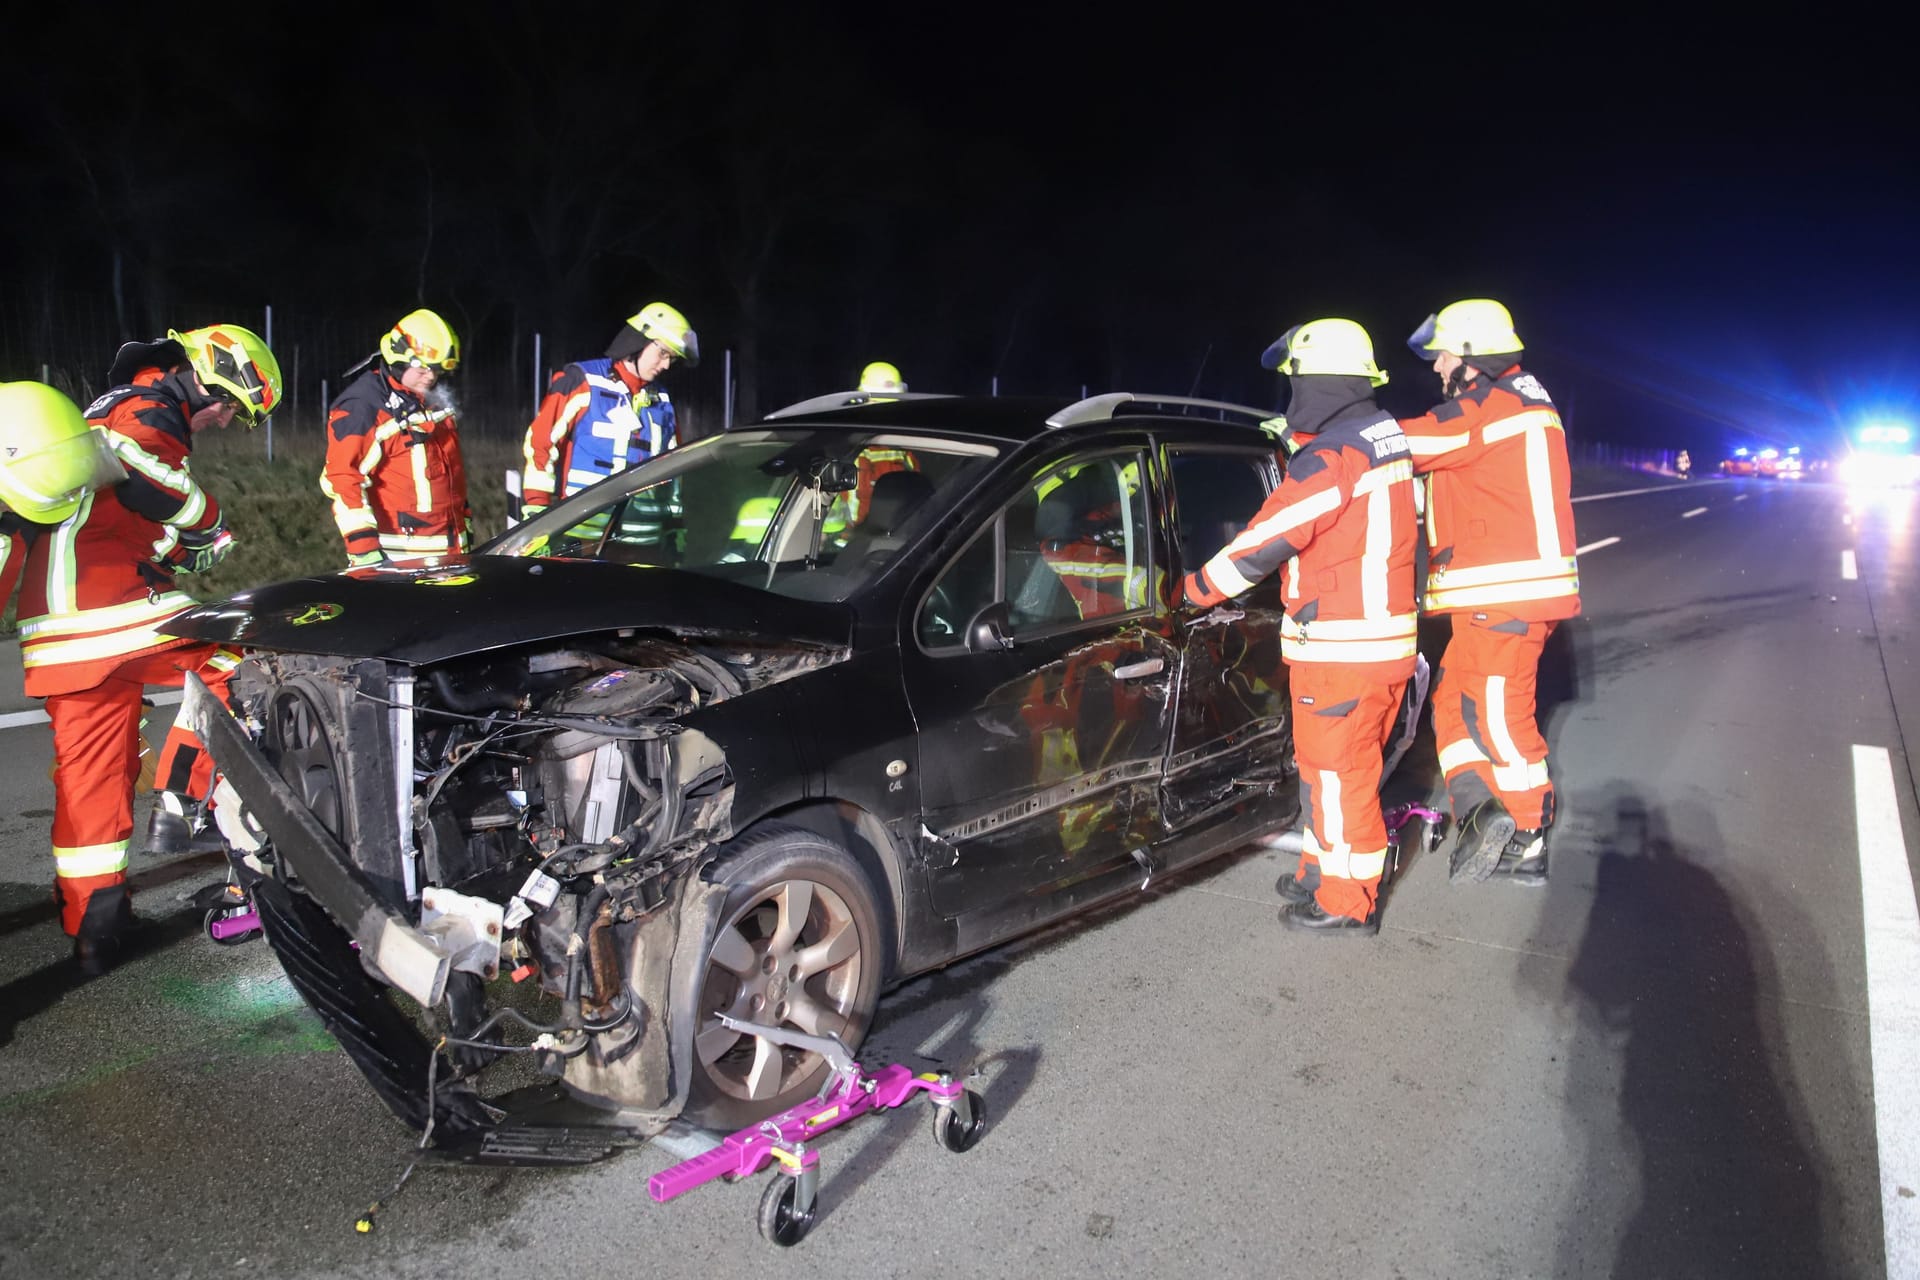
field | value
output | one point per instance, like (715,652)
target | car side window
(1215,494)
(1076,548)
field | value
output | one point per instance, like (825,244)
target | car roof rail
(847,400)
(1101,408)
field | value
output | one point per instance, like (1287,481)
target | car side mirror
(990,629)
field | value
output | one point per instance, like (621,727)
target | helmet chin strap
(1457,381)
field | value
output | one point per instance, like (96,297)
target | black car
(768,724)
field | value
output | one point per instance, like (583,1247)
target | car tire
(799,946)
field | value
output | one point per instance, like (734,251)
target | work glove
(199,550)
(368,560)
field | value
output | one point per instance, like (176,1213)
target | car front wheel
(798,947)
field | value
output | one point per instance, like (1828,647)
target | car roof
(1014,419)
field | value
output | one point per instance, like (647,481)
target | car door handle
(1135,670)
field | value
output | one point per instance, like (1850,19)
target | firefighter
(601,417)
(1342,524)
(1500,556)
(50,459)
(99,589)
(394,469)
(1082,539)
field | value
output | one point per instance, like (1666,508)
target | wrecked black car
(768,724)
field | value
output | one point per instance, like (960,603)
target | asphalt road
(1658,1065)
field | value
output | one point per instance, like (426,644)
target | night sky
(1705,230)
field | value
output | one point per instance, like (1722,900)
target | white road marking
(1849,567)
(1595,546)
(1892,924)
(1739,497)
(1697,511)
(1628,493)
(20,719)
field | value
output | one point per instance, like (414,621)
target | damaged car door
(1038,672)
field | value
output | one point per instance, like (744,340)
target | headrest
(896,496)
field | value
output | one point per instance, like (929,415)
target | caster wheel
(1436,834)
(780,1222)
(953,1135)
(215,915)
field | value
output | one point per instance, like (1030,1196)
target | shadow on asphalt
(1671,976)
(34,993)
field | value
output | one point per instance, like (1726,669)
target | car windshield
(804,513)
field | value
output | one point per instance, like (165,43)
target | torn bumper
(415,962)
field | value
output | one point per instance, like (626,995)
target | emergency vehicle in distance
(1880,455)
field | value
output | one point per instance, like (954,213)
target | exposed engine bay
(513,840)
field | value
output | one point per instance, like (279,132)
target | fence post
(726,391)
(996,384)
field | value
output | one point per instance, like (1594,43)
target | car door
(1231,750)
(1038,670)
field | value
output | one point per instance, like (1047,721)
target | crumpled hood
(471,604)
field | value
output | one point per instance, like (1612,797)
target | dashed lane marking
(1892,924)
(1697,511)
(20,719)
(1849,567)
(1739,497)
(1595,546)
(1629,493)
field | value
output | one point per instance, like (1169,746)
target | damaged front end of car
(512,839)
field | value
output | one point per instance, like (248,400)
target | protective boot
(178,824)
(1293,888)
(1482,837)
(103,930)
(1524,860)
(1311,917)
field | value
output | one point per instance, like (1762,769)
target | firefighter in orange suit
(1500,557)
(394,469)
(1342,524)
(99,589)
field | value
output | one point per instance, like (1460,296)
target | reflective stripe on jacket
(394,471)
(1499,514)
(591,425)
(1342,524)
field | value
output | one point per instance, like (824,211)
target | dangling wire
(364,1223)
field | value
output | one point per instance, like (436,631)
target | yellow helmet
(1338,347)
(234,362)
(881,378)
(1475,327)
(658,322)
(422,338)
(50,457)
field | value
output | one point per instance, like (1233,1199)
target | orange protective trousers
(96,752)
(1483,717)
(1341,721)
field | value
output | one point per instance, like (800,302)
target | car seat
(897,497)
